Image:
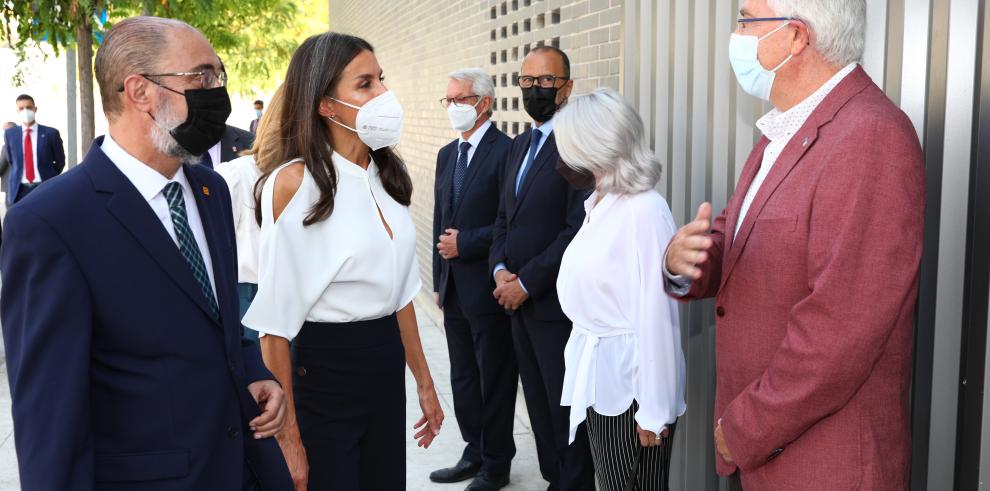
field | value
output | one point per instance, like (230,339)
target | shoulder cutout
(287,182)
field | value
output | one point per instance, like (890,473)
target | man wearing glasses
(483,372)
(814,262)
(120,311)
(539,213)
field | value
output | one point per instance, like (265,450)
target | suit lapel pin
(234,149)
(206,191)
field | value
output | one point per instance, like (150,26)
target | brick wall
(418,42)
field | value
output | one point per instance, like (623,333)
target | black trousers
(484,377)
(24,190)
(540,355)
(617,453)
(349,390)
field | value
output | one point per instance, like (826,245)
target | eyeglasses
(545,81)
(743,21)
(459,101)
(208,79)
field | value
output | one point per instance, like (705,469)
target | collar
(777,125)
(33,127)
(148,181)
(545,128)
(346,167)
(476,137)
(593,210)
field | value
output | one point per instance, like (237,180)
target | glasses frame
(447,101)
(534,80)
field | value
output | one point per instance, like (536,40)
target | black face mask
(540,102)
(577,179)
(206,119)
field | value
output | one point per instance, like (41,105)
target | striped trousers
(615,450)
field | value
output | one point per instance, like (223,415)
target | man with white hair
(483,373)
(814,262)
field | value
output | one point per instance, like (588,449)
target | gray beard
(161,136)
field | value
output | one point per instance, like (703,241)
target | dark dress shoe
(462,471)
(488,482)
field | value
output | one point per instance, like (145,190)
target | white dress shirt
(626,341)
(150,184)
(241,175)
(475,140)
(34,153)
(779,128)
(342,269)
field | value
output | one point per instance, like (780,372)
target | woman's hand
(649,438)
(295,456)
(429,425)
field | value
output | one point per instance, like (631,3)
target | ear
(137,90)
(801,39)
(327,108)
(565,90)
(485,106)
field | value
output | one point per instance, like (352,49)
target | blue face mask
(744,56)
(257,112)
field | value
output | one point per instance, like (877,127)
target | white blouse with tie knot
(626,341)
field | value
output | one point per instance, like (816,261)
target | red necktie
(28,156)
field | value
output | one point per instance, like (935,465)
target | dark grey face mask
(540,102)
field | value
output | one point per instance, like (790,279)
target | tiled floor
(445,451)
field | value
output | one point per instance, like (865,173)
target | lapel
(210,212)
(480,154)
(42,146)
(446,184)
(800,143)
(516,163)
(134,213)
(17,147)
(549,146)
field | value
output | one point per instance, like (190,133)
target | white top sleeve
(292,272)
(658,331)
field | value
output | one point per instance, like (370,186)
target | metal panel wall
(924,54)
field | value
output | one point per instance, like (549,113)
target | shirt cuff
(676,285)
(498,267)
(521,285)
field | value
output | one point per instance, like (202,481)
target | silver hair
(600,133)
(481,82)
(134,45)
(838,27)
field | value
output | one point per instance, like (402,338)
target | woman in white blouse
(624,364)
(338,273)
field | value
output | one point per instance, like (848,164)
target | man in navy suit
(483,373)
(539,214)
(34,152)
(120,314)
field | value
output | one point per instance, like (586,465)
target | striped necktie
(187,244)
(460,170)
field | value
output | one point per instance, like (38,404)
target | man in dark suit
(5,165)
(539,214)
(231,144)
(35,152)
(259,109)
(120,318)
(483,373)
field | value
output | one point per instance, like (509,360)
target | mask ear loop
(333,118)
(781,65)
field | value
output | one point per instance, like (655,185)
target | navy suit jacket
(119,376)
(50,158)
(474,219)
(533,230)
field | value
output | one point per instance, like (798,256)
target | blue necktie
(534,142)
(187,243)
(460,170)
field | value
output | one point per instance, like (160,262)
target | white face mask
(27,116)
(744,56)
(462,117)
(379,121)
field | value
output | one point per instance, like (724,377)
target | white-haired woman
(624,365)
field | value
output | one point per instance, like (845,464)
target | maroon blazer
(815,301)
